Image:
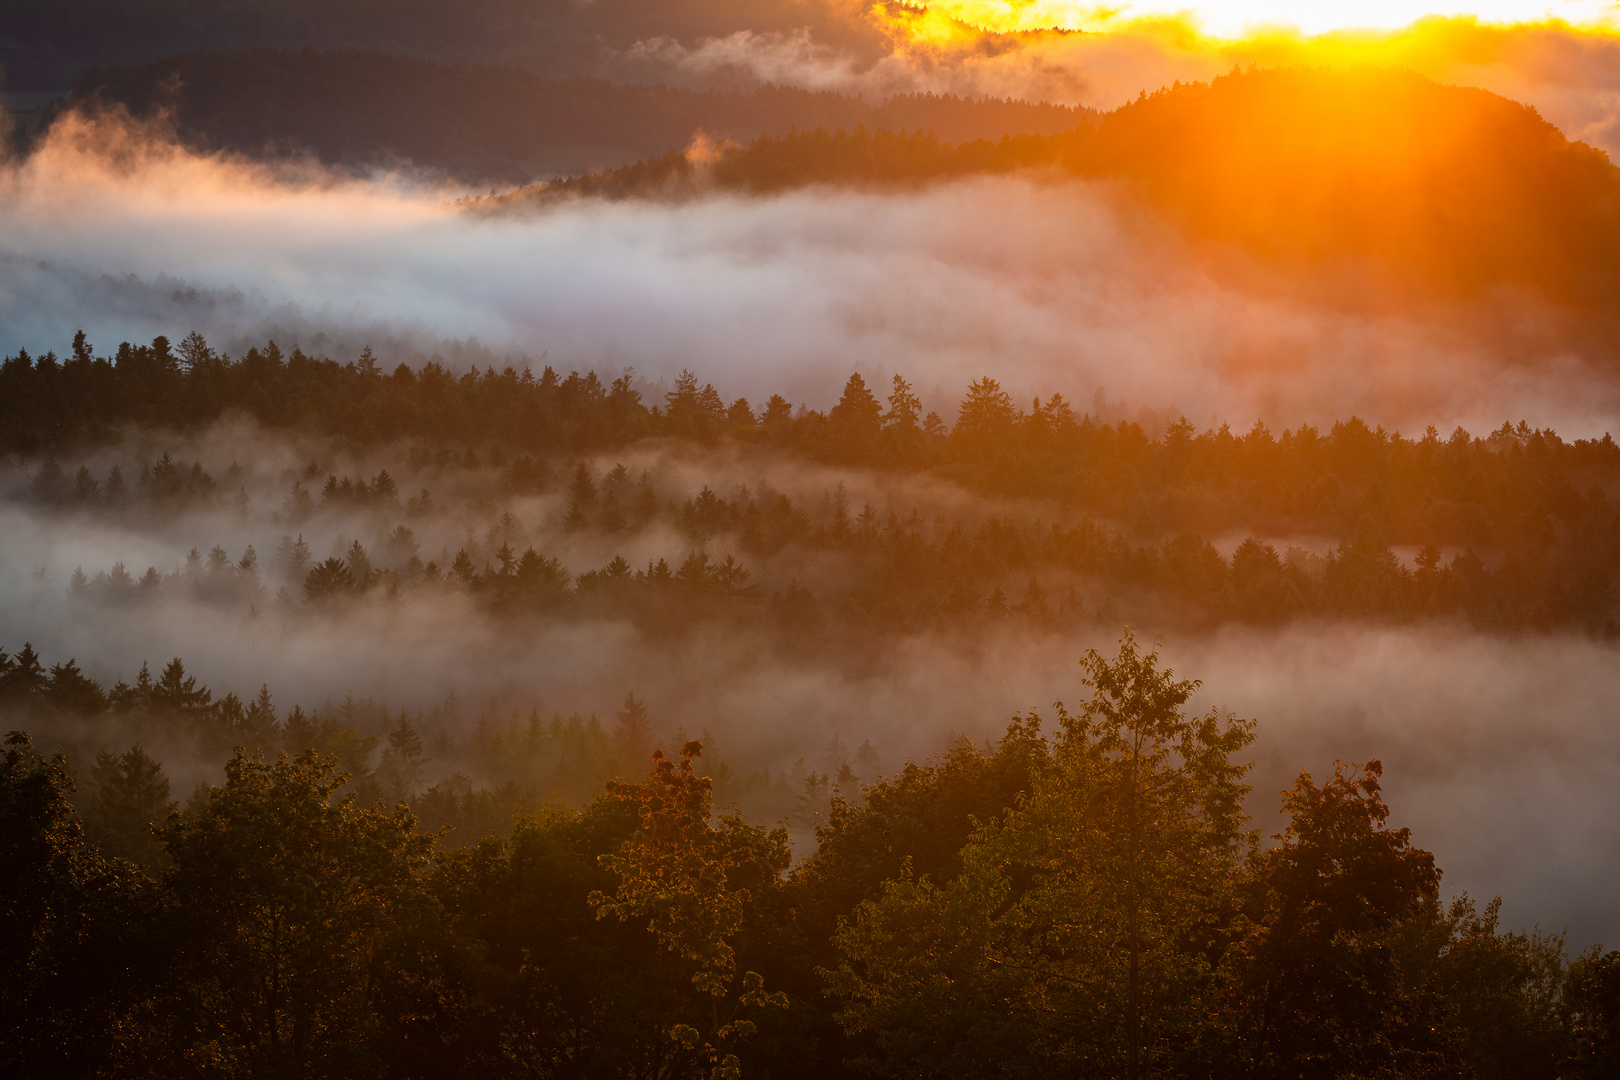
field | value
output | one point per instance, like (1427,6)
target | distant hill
(484,123)
(1441,190)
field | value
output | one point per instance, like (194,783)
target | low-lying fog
(1501,752)
(1038,282)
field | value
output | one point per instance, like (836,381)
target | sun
(1239,18)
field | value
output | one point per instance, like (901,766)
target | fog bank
(1500,754)
(1040,282)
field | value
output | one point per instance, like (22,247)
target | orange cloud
(1569,71)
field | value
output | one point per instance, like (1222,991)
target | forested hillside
(420,661)
(477,123)
(1065,517)
(1087,898)
(1389,185)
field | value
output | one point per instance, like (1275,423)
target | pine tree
(383,489)
(837,756)
(194,352)
(987,412)
(298,505)
(50,484)
(292,557)
(778,413)
(402,764)
(72,691)
(83,351)
(632,731)
(582,489)
(260,726)
(905,407)
(298,732)
(117,489)
(86,492)
(868,766)
(359,565)
(25,676)
(857,418)
(328,580)
(131,797)
(178,691)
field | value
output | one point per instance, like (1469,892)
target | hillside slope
(1381,182)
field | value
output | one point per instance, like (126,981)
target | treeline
(482,123)
(1091,901)
(463,775)
(896,576)
(1446,191)
(1517,529)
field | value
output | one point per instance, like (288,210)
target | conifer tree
(179,692)
(260,723)
(131,801)
(632,732)
(857,417)
(24,677)
(86,492)
(905,407)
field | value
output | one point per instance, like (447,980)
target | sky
(1236,18)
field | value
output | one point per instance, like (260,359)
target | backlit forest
(1085,894)
(1058,515)
(701,540)
(489,890)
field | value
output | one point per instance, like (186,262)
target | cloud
(1043,283)
(1570,73)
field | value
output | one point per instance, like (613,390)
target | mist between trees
(467,772)
(1086,897)
(824,531)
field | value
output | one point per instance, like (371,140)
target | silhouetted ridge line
(1424,190)
(479,122)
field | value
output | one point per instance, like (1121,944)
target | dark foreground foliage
(1091,902)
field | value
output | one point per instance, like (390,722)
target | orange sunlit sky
(1235,18)
(1561,57)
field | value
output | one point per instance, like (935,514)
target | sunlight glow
(1239,18)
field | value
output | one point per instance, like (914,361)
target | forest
(1085,895)
(1061,517)
(483,123)
(847,561)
